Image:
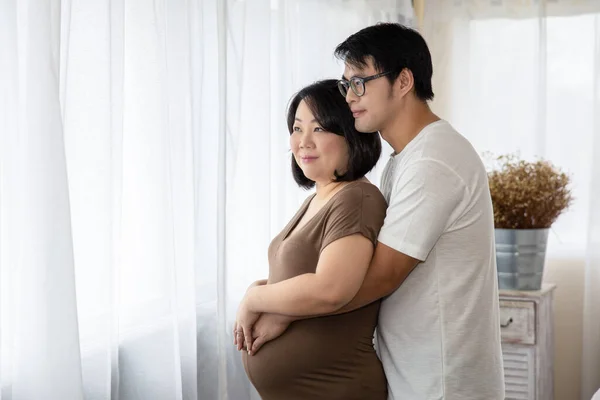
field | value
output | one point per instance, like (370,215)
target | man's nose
(351,97)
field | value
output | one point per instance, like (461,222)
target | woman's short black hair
(333,115)
(392,47)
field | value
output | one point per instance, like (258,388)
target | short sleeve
(423,203)
(358,209)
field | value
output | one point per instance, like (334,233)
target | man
(438,335)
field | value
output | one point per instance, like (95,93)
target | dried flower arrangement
(527,195)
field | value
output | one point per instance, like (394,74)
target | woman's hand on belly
(267,328)
(240,343)
(244,323)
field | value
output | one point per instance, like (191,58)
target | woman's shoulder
(360,189)
(361,194)
(358,207)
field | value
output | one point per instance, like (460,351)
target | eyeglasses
(357,84)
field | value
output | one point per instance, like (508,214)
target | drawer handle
(505,325)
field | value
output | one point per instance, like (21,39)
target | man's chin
(362,128)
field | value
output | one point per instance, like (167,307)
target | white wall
(568,275)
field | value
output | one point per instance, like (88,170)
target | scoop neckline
(294,223)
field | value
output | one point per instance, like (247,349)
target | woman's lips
(308,159)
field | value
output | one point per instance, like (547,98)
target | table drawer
(517,321)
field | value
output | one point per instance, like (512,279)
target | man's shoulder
(445,149)
(446,145)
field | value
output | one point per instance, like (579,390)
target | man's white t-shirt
(439,333)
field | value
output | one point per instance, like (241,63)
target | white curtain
(524,77)
(39,344)
(144,168)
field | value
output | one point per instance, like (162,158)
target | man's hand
(267,328)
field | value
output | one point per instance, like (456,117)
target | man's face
(372,110)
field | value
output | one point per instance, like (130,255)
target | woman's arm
(340,272)
(386,273)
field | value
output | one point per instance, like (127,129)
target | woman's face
(318,153)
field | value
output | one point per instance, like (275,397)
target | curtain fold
(39,343)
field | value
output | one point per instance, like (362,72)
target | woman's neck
(327,189)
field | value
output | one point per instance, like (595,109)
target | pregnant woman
(319,260)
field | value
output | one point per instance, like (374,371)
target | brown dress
(332,357)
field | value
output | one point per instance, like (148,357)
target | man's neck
(407,124)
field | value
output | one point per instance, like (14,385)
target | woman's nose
(306,141)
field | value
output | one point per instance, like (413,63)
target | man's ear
(404,82)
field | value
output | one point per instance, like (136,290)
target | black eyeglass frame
(344,84)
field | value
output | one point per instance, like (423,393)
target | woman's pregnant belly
(321,358)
